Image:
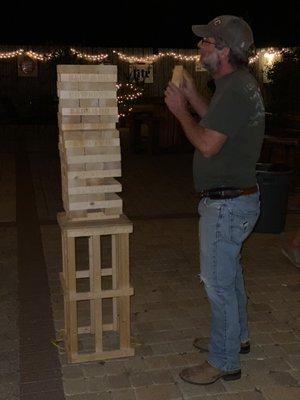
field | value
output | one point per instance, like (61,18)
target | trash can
(273,181)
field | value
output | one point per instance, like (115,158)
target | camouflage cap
(234,31)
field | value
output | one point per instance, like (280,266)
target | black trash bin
(273,181)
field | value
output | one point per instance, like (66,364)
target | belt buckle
(226,194)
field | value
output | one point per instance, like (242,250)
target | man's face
(209,54)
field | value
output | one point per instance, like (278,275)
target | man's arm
(207,141)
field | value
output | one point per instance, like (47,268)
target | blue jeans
(224,225)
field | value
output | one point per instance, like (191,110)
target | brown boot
(201,343)
(205,374)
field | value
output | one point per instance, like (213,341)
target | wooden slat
(71,287)
(92,201)
(86,273)
(114,255)
(87,329)
(122,244)
(96,215)
(95,285)
(104,294)
(105,355)
(89,228)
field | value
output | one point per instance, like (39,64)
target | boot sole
(232,377)
(227,377)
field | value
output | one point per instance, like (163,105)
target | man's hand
(176,101)
(188,86)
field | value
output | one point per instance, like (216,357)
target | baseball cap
(234,31)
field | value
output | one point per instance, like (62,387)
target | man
(227,145)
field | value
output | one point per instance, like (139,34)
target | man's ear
(224,53)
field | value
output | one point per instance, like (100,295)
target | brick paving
(169,308)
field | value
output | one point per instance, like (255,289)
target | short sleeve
(227,113)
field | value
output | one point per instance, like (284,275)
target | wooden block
(92,201)
(177,77)
(86,69)
(66,86)
(66,126)
(111,186)
(87,159)
(68,103)
(85,77)
(89,111)
(87,94)
(91,135)
(114,173)
(101,150)
(91,143)
(91,103)
(101,86)
(90,119)
(69,120)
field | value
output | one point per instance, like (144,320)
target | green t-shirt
(236,110)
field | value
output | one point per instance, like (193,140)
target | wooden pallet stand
(119,293)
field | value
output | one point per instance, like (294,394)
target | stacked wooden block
(90,161)
(89,142)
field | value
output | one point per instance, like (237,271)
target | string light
(156,57)
(131,93)
(32,54)
(11,54)
(270,54)
(89,57)
(40,56)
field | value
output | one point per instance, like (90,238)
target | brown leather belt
(227,192)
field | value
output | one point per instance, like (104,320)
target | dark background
(141,23)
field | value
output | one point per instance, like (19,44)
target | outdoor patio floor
(169,308)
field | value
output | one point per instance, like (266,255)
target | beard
(211,62)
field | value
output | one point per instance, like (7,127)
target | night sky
(144,23)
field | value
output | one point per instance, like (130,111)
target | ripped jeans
(224,225)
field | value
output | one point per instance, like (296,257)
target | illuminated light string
(156,57)
(269,54)
(133,94)
(30,53)
(88,57)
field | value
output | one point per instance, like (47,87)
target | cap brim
(202,30)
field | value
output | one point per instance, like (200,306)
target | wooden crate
(99,339)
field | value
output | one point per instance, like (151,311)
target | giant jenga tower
(90,155)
